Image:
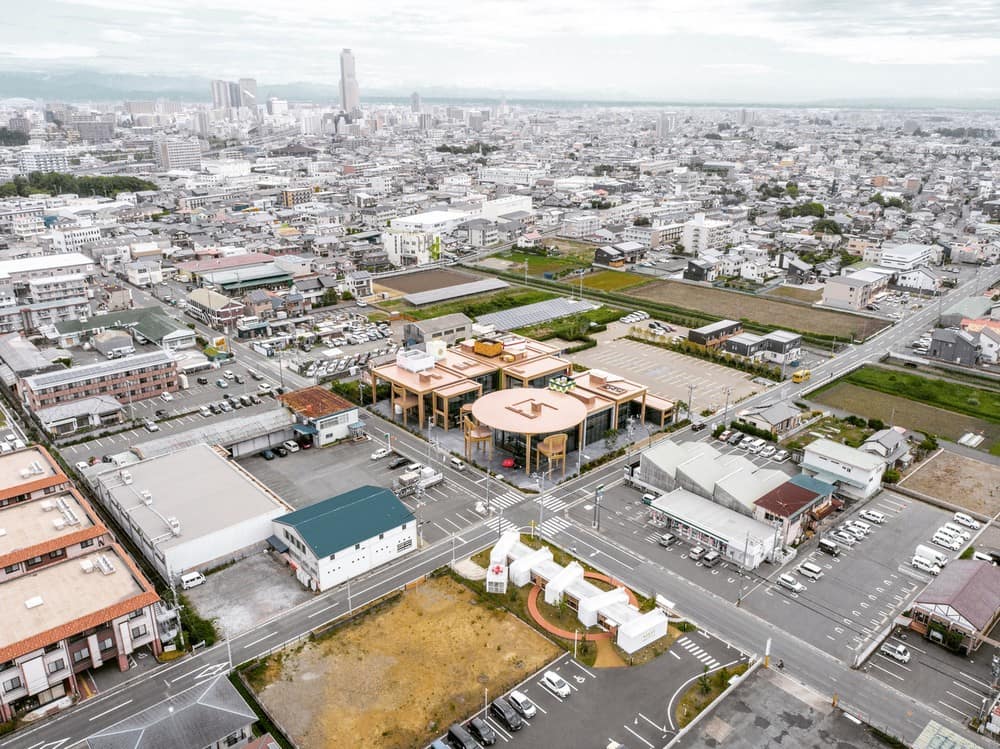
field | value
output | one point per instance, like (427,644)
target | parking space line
(894,676)
(967,689)
(659,728)
(457,526)
(638,737)
(962,699)
(972,678)
(950,707)
(583,669)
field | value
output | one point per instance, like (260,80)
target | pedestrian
(781,664)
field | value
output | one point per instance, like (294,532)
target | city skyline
(751,51)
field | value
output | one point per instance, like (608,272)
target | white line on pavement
(638,737)
(255,642)
(111,710)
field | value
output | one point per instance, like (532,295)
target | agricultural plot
(735,306)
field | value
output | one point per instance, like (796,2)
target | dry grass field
(397,677)
(969,483)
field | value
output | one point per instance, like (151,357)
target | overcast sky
(739,50)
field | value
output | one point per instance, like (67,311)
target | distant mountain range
(91,85)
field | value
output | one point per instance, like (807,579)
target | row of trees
(477,147)
(811,208)
(55,183)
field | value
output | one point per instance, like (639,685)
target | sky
(661,50)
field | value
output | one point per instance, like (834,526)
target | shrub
(891,476)
(876,424)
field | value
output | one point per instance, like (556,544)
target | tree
(642,221)
(610,439)
(704,684)
(792,189)
(827,226)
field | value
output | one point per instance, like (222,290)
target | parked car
(781,456)
(152,426)
(254,399)
(281,451)
(874,516)
(725,435)
(238,380)
(291,445)
(222,383)
(264,388)
(481,731)
(698,427)
(899,652)
(522,704)
(768,451)
(267,455)
(667,540)
(398,462)
(166,397)
(380,453)
(502,711)
(789,582)
(696,553)
(844,539)
(967,520)
(161,413)
(202,380)
(948,542)
(225,407)
(229,374)
(556,683)
(736,438)
(205,411)
(81,465)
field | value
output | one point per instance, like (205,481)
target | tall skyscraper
(220,95)
(350,96)
(248,92)
(235,100)
(415,102)
(665,124)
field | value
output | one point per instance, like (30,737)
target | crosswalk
(653,538)
(500,524)
(505,500)
(698,652)
(550,503)
(552,526)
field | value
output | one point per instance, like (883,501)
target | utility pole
(725,414)
(598,496)
(690,401)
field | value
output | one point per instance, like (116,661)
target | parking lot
(632,706)
(666,373)
(180,413)
(954,684)
(861,591)
(308,476)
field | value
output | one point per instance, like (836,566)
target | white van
(756,446)
(876,517)
(925,566)
(931,555)
(192,580)
(456,464)
(810,570)
(957,530)
(898,652)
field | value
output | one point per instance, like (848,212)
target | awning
(305,429)
(277,544)
(356,426)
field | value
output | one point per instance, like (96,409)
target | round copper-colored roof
(529,411)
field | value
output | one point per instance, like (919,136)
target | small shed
(641,631)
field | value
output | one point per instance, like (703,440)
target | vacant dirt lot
(797,292)
(411,283)
(972,484)
(398,677)
(766,311)
(911,414)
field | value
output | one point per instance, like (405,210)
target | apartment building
(293,196)
(512,174)
(73,239)
(407,248)
(43,290)
(579,225)
(42,160)
(178,153)
(701,234)
(855,473)
(853,292)
(129,379)
(72,599)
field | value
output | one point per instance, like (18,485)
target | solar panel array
(534,314)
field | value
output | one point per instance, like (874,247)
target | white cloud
(47,51)
(120,36)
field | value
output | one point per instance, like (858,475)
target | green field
(972,401)
(540,264)
(611,280)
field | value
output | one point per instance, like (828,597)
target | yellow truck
(801,375)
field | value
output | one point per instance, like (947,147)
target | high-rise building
(277,106)
(20,123)
(248,92)
(178,153)
(350,96)
(42,160)
(415,102)
(235,99)
(140,107)
(665,124)
(220,95)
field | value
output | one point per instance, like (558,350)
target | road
(870,699)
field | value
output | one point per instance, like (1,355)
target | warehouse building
(190,509)
(342,537)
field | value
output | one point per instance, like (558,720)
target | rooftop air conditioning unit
(175,526)
(105,564)
(33,603)
(47,505)
(147,497)
(58,523)
(126,477)
(87,566)
(25,473)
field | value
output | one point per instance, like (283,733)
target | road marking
(110,710)
(894,676)
(443,530)
(674,654)
(945,704)
(327,608)
(962,699)
(583,669)
(971,678)
(457,526)
(255,642)
(638,737)
(661,728)
(967,689)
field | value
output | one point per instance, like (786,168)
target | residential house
(856,474)
(954,346)
(890,445)
(777,418)
(321,415)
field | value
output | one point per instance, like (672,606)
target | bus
(801,375)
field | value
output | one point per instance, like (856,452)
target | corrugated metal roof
(340,522)
(454,292)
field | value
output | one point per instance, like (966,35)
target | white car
(555,683)
(967,520)
(205,411)
(380,453)
(229,374)
(957,530)
(82,465)
(876,517)
(291,445)
(781,456)
(845,539)
(167,397)
(522,704)
(787,581)
(948,542)
(768,451)
(263,388)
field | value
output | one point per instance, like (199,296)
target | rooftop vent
(126,477)
(175,526)
(87,566)
(33,603)
(58,523)
(147,497)
(47,505)
(105,564)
